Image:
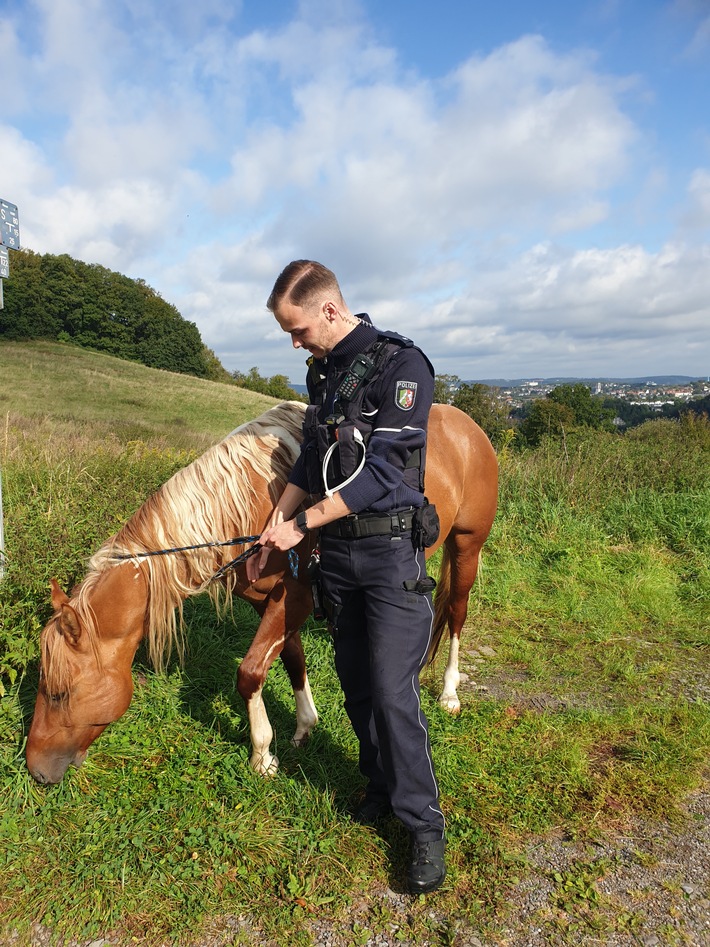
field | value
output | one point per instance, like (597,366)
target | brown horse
(88,645)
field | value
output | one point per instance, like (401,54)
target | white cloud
(477,211)
(560,308)
(515,137)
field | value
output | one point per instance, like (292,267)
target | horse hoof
(452,705)
(300,741)
(265,765)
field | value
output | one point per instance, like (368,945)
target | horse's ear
(68,624)
(59,597)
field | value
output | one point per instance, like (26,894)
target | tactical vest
(338,421)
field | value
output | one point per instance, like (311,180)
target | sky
(521,188)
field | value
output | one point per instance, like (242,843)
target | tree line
(57,297)
(565,409)
(66,300)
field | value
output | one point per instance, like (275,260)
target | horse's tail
(442,600)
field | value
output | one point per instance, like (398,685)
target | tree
(58,297)
(631,414)
(252,381)
(546,418)
(445,387)
(215,369)
(563,409)
(25,314)
(588,411)
(277,386)
(480,403)
(701,406)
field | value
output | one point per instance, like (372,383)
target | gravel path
(648,886)
(645,886)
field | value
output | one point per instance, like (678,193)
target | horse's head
(85,679)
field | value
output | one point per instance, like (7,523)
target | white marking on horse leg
(449,699)
(262,760)
(274,651)
(306,714)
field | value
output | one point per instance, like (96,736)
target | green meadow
(586,704)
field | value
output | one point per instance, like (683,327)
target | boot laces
(423,852)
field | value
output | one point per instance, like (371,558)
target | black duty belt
(359,525)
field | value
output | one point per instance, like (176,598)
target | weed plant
(588,629)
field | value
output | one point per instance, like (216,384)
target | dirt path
(647,885)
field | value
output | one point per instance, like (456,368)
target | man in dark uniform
(363,452)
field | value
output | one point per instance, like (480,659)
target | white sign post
(2,536)
(9,239)
(9,225)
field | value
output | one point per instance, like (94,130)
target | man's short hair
(301,283)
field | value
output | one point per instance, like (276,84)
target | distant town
(651,392)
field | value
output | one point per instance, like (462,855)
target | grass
(593,596)
(123,399)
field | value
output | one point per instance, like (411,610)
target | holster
(331,611)
(421,586)
(319,612)
(425,526)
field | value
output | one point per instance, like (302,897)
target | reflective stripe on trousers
(381,641)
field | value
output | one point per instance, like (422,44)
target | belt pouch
(420,586)
(425,526)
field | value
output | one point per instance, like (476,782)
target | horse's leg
(295,663)
(464,550)
(268,643)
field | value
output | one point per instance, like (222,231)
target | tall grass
(593,604)
(599,541)
(64,383)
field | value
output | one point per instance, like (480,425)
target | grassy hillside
(65,383)
(586,704)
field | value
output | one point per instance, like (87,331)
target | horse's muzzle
(48,771)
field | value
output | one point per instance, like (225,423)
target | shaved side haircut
(301,283)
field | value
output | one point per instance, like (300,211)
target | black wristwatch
(301,522)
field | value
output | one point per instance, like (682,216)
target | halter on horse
(88,645)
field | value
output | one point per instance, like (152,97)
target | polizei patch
(404,394)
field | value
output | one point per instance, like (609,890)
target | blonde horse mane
(214,498)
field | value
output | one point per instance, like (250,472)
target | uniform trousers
(382,633)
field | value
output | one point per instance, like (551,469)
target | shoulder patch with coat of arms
(405,393)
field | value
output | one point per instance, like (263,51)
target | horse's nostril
(40,777)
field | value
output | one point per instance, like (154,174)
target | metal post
(9,238)
(2,536)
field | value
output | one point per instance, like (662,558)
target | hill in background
(68,383)
(62,299)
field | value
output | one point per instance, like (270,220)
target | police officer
(363,452)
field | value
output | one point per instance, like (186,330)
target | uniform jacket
(396,405)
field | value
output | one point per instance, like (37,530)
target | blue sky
(522,188)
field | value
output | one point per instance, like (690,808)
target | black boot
(428,869)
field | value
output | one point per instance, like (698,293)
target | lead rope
(239,540)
